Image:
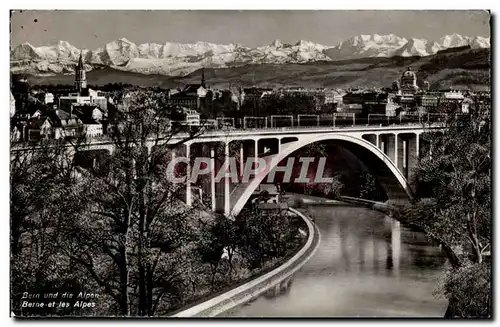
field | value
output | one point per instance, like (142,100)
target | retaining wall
(259,285)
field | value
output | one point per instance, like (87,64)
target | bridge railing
(254,122)
(225,122)
(308,120)
(343,119)
(281,121)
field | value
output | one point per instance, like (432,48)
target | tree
(264,237)
(368,187)
(454,187)
(42,200)
(219,237)
(136,221)
(334,190)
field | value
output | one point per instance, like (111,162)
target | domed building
(409,82)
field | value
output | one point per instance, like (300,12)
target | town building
(466,104)
(88,111)
(40,127)
(45,97)
(429,101)
(192,117)
(12,105)
(194,96)
(92,128)
(93,98)
(16,133)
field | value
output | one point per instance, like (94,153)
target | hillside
(104,76)
(466,68)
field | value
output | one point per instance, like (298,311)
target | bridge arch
(305,140)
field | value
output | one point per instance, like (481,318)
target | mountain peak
(304,43)
(25,44)
(277,43)
(176,59)
(124,40)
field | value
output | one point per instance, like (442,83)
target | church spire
(203,77)
(80,61)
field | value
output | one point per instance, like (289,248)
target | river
(367,265)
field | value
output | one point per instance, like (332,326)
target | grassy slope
(466,68)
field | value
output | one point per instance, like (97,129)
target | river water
(367,265)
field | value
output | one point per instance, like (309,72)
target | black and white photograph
(250,164)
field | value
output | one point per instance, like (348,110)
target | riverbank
(367,265)
(259,283)
(299,200)
(385,207)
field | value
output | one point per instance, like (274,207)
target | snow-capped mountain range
(176,59)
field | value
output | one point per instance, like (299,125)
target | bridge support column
(227,209)
(404,153)
(391,146)
(396,154)
(412,158)
(377,141)
(256,150)
(189,199)
(212,179)
(417,145)
(242,159)
(401,161)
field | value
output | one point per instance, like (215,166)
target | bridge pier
(391,147)
(383,143)
(220,186)
(212,179)
(242,160)
(396,152)
(402,153)
(189,198)
(408,155)
(227,208)
(417,147)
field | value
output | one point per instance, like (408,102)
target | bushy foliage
(454,176)
(368,189)
(468,289)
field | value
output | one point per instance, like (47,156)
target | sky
(93,29)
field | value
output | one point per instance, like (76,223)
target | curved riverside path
(368,265)
(258,286)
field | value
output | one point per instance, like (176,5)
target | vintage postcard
(253,163)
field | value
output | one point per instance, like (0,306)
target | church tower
(203,77)
(80,78)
